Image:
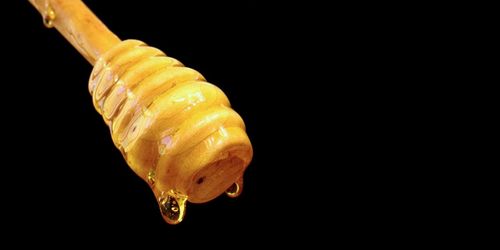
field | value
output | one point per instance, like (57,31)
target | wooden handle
(74,20)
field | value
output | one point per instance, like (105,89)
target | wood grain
(79,26)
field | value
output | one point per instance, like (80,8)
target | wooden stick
(176,131)
(74,20)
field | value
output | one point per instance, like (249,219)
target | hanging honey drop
(235,190)
(172,206)
(49,16)
(151,177)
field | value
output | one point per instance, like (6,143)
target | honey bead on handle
(175,130)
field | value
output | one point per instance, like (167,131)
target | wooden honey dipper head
(175,130)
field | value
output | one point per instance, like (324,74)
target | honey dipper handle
(74,20)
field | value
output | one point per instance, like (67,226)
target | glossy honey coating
(174,129)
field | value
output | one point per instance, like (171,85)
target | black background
(62,173)
(348,107)
(321,89)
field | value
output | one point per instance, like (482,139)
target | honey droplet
(235,190)
(172,206)
(151,177)
(49,16)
